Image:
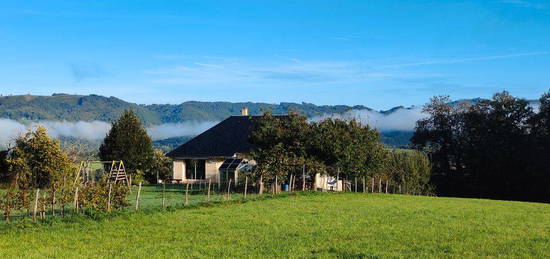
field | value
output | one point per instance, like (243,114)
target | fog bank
(403,119)
(95,130)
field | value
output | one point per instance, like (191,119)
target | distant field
(313,225)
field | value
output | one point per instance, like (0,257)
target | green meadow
(312,225)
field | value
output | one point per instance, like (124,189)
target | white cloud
(170,130)
(95,130)
(402,119)
(464,60)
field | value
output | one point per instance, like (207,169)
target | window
(195,169)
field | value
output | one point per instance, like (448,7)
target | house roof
(225,139)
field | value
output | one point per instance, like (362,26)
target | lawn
(312,225)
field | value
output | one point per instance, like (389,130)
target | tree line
(497,148)
(342,148)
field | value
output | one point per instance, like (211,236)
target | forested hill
(95,107)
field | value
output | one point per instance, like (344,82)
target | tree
(37,161)
(411,170)
(494,148)
(128,141)
(348,147)
(161,167)
(333,146)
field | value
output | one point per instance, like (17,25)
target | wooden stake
(137,197)
(209,183)
(261,189)
(290,184)
(163,194)
(229,189)
(186,194)
(109,198)
(43,210)
(35,205)
(276,185)
(53,203)
(245,186)
(76,199)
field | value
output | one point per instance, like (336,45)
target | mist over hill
(87,117)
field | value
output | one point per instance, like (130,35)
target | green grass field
(313,225)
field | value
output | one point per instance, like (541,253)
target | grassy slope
(324,225)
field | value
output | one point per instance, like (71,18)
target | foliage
(304,226)
(348,147)
(160,168)
(493,148)
(333,146)
(411,170)
(128,141)
(96,196)
(37,161)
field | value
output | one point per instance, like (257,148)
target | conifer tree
(128,141)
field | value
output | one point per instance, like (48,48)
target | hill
(65,107)
(94,107)
(303,226)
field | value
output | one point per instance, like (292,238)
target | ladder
(118,173)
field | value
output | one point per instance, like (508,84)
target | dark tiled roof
(223,140)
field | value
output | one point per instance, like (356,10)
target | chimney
(244,111)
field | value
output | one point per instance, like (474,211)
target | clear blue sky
(376,53)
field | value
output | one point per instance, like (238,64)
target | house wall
(178,172)
(322,183)
(212,169)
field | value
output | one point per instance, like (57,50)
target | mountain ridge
(67,107)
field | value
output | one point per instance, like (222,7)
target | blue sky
(375,53)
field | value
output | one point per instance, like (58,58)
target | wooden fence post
(35,205)
(187,194)
(276,185)
(229,189)
(109,198)
(76,199)
(43,209)
(261,187)
(53,203)
(245,186)
(137,196)
(163,194)
(209,184)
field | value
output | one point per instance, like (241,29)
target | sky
(379,54)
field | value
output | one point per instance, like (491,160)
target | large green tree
(37,161)
(494,148)
(337,147)
(128,141)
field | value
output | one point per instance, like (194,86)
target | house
(217,154)
(221,152)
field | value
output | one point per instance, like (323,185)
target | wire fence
(153,196)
